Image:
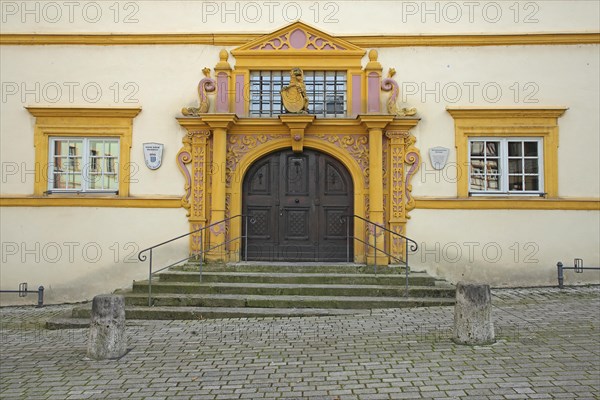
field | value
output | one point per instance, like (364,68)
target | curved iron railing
(371,232)
(200,254)
(409,244)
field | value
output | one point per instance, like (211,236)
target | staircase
(278,290)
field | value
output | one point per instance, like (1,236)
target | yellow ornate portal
(375,147)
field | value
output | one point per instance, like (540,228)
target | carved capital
(396,134)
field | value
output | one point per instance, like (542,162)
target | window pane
(532,183)
(492,166)
(515,182)
(531,149)
(477,148)
(59,182)
(514,149)
(491,148)
(515,166)
(531,166)
(477,182)
(493,182)
(477,165)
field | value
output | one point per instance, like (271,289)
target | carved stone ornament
(206,86)
(294,96)
(390,84)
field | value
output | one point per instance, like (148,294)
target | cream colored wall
(160,80)
(76,253)
(522,76)
(514,248)
(165,78)
(339,17)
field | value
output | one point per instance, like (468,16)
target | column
(219,124)
(375,124)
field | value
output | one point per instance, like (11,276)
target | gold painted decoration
(412,158)
(200,161)
(299,39)
(404,160)
(390,84)
(205,87)
(293,96)
(184,157)
(238,146)
(356,145)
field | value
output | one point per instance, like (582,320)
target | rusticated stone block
(107,339)
(473,315)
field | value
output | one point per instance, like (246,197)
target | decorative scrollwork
(356,145)
(207,85)
(298,39)
(412,158)
(390,84)
(239,145)
(184,157)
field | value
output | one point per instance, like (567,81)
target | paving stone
(547,347)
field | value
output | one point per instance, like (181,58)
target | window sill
(90,200)
(507,203)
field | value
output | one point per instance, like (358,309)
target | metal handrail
(23,291)
(577,267)
(143,257)
(413,245)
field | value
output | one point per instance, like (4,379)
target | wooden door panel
(297,202)
(296,222)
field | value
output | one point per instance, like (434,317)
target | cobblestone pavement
(548,347)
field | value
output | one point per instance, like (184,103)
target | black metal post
(40,297)
(375,243)
(347,239)
(246,238)
(406,267)
(561,276)
(150,281)
(201,256)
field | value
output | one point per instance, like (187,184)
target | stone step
(289,267)
(198,313)
(258,301)
(279,289)
(415,278)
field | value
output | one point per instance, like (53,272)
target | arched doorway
(296,203)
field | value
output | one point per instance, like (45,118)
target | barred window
(326,91)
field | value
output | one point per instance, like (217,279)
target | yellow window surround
(82,122)
(507,122)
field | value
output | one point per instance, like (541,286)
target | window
(326,91)
(83,150)
(506,151)
(505,166)
(83,165)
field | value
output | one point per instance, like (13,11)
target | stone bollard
(473,315)
(106,339)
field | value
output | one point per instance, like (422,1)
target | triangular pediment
(299,37)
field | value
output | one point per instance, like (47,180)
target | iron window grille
(326,91)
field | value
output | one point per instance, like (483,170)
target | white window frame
(86,162)
(503,163)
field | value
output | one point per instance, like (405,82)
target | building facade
(470,128)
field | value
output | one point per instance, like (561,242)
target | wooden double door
(296,205)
